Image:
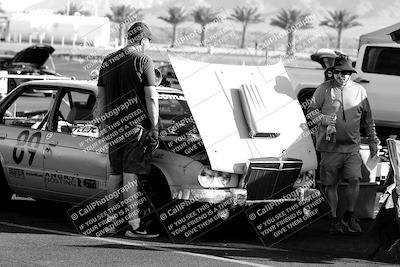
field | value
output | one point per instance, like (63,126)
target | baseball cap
(138,31)
(343,62)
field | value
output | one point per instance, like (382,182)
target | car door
(22,134)
(378,70)
(72,165)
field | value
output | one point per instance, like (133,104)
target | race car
(54,149)
(50,148)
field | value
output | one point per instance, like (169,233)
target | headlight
(216,179)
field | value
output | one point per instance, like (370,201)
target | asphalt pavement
(36,233)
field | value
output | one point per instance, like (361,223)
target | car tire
(156,189)
(5,191)
(159,188)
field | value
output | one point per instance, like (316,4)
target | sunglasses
(343,72)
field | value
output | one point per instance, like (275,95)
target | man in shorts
(344,104)
(127,80)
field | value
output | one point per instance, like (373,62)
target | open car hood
(213,93)
(35,54)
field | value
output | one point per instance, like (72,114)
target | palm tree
(121,14)
(71,8)
(177,15)
(245,15)
(340,20)
(291,20)
(204,16)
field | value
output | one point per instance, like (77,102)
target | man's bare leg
(351,193)
(113,184)
(349,220)
(131,178)
(332,196)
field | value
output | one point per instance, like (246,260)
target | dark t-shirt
(123,75)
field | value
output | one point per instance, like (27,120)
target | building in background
(59,29)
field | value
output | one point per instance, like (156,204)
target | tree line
(286,19)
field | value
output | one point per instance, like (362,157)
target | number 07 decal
(23,139)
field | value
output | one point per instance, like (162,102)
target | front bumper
(237,196)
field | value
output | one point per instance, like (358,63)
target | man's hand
(373,149)
(328,119)
(151,139)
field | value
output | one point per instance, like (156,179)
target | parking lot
(41,234)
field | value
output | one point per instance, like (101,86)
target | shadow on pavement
(234,239)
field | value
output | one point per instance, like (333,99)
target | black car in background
(33,60)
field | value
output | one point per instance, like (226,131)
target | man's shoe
(351,223)
(140,232)
(335,226)
(111,230)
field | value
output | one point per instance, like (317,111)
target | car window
(30,108)
(74,113)
(382,60)
(172,109)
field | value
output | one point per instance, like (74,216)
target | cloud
(390,11)
(256,3)
(363,8)
(12,5)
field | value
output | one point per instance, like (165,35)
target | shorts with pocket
(335,167)
(129,157)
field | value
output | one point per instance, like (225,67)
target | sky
(373,14)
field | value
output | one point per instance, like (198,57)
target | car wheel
(47,94)
(159,192)
(5,191)
(156,188)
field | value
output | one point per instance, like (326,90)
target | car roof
(91,85)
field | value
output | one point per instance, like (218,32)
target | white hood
(212,93)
